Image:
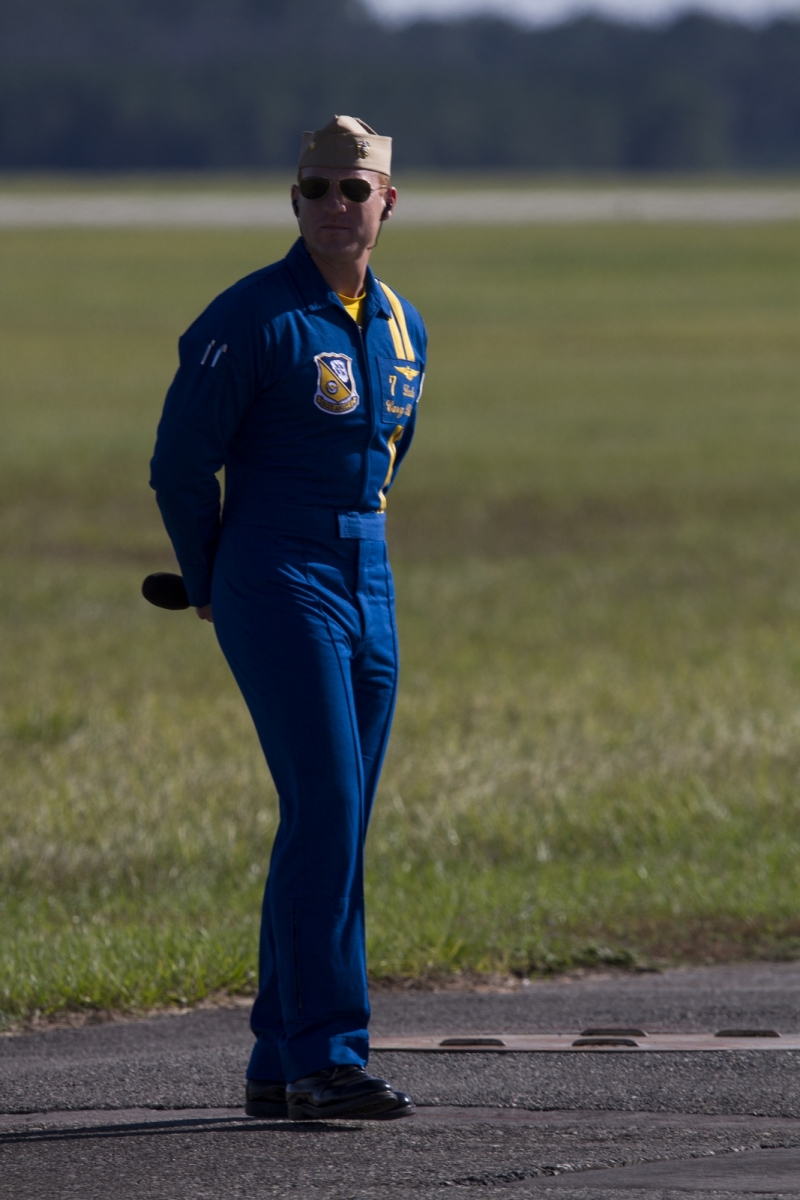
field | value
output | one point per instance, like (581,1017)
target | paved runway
(465,207)
(150,1110)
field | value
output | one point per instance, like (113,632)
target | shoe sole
(382,1108)
(265,1108)
(393,1114)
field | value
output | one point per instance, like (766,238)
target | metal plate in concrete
(575,1043)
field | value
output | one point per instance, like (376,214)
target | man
(302,380)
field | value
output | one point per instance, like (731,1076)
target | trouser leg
(295,640)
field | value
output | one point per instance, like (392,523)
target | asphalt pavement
(151,1109)
(479,206)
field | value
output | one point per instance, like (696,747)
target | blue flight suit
(310,418)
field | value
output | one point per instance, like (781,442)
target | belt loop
(369,527)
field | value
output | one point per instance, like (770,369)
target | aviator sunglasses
(314,187)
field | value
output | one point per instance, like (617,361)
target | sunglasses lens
(313,187)
(357,190)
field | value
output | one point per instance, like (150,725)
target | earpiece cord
(387,209)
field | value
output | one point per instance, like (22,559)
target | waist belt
(304,521)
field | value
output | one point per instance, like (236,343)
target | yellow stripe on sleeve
(406,350)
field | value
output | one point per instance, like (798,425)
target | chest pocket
(400,383)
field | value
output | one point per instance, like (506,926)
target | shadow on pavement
(180,1125)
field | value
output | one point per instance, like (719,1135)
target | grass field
(597,552)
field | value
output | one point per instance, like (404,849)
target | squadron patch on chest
(336,388)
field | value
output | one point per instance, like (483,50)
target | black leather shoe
(265,1098)
(345,1092)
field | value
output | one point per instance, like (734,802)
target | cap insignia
(362,149)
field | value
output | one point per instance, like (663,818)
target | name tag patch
(399,389)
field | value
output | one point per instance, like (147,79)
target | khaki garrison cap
(346,142)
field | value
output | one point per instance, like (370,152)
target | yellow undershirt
(354,306)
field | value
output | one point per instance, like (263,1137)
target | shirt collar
(315,291)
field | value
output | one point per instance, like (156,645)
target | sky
(546,11)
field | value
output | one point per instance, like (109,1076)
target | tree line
(126,84)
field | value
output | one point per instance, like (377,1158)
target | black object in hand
(165,590)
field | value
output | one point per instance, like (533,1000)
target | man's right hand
(204,613)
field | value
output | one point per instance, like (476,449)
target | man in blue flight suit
(302,380)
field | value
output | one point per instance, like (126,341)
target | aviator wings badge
(336,389)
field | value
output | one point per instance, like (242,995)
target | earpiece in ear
(387,208)
(295,208)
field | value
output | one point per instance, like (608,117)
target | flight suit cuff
(198,585)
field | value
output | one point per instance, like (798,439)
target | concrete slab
(149,1110)
(761,1173)
(746,1082)
(178,1155)
(688,1000)
(727,1082)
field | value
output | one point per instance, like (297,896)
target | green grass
(596,542)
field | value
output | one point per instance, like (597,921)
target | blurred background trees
(122,84)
